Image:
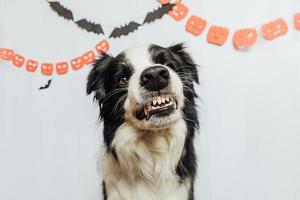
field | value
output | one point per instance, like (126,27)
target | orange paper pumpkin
(244,37)
(217,35)
(6,54)
(31,65)
(297,21)
(164,1)
(62,68)
(89,57)
(274,29)
(47,69)
(195,25)
(18,60)
(77,63)
(179,11)
(102,47)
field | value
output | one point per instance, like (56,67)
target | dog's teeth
(145,111)
(154,102)
(159,100)
(167,99)
(147,116)
(163,100)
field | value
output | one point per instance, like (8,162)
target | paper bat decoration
(60,10)
(117,31)
(124,30)
(46,86)
(90,26)
(68,14)
(158,13)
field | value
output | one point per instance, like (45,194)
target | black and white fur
(147,158)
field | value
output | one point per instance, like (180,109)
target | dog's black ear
(189,66)
(95,81)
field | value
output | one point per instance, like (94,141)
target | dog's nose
(155,78)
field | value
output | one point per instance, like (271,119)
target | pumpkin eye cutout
(123,81)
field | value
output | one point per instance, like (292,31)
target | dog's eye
(123,81)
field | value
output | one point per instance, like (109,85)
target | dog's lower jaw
(136,118)
(145,167)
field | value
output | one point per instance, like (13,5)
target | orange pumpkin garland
(217,35)
(179,11)
(297,21)
(47,69)
(31,65)
(244,38)
(18,60)
(274,29)
(6,54)
(195,25)
(62,68)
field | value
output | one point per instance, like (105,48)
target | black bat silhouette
(60,10)
(158,13)
(124,30)
(46,86)
(117,31)
(90,26)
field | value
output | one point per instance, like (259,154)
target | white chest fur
(146,165)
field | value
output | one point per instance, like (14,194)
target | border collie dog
(147,103)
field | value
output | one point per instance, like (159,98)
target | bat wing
(158,13)
(124,30)
(46,86)
(90,26)
(60,10)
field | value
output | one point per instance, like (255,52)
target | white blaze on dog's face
(155,92)
(148,86)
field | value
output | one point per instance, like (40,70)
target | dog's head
(148,87)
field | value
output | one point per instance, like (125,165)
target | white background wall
(249,143)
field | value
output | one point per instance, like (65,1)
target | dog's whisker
(122,98)
(114,92)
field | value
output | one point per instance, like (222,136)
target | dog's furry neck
(150,156)
(146,160)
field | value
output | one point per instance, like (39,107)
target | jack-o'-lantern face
(244,38)
(77,63)
(62,68)
(18,60)
(274,29)
(217,35)
(195,25)
(102,47)
(297,21)
(47,69)
(89,57)
(179,11)
(6,54)
(31,65)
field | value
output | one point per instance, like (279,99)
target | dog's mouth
(160,106)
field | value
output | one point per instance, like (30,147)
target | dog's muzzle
(155,80)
